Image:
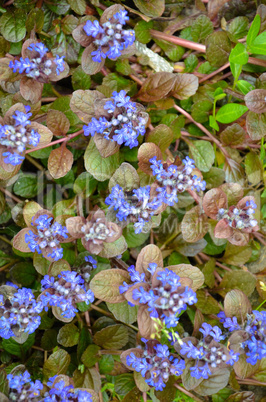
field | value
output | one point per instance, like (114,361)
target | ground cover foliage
(132,200)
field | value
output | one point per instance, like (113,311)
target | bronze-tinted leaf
(218,48)
(157,86)
(245,396)
(45,133)
(88,65)
(60,162)
(112,337)
(104,146)
(161,135)
(126,177)
(80,35)
(256,125)
(145,153)
(188,381)
(194,225)
(244,369)
(115,248)
(57,122)
(236,304)
(233,135)
(256,100)
(223,230)
(234,172)
(109,12)
(19,241)
(31,90)
(191,272)
(145,323)
(30,210)
(233,191)
(214,383)
(82,103)
(149,254)
(213,200)
(105,285)
(185,86)
(90,378)
(151,8)
(239,238)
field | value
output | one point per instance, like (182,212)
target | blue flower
(61,392)
(46,237)
(135,207)
(174,179)
(21,314)
(16,138)
(65,292)
(156,364)
(38,66)
(22,388)
(109,38)
(165,300)
(124,126)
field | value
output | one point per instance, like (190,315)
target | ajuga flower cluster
(132,201)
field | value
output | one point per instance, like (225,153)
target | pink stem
(65,139)
(202,128)
(178,41)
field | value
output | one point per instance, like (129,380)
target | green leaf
(253,30)
(236,70)
(213,123)
(110,250)
(58,8)
(112,337)
(79,6)
(253,168)
(237,255)
(80,80)
(57,363)
(162,136)
(35,20)
(49,341)
(28,185)
(126,177)
(90,378)
(68,335)
(230,112)
(191,63)
(18,349)
(124,383)
(13,25)
(133,239)
(106,364)
(85,184)
(201,28)
(238,28)
(242,280)
(142,31)
(238,54)
(91,356)
(100,168)
(23,273)
(151,8)
(123,312)
(244,86)
(206,303)
(203,154)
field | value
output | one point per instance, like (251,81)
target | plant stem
(178,41)
(187,393)
(5,240)
(65,139)
(10,195)
(202,128)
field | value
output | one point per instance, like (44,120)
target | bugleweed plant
(132,200)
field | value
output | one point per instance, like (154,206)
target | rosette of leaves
(126,176)
(30,216)
(7,170)
(96,233)
(31,88)
(105,285)
(88,65)
(216,201)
